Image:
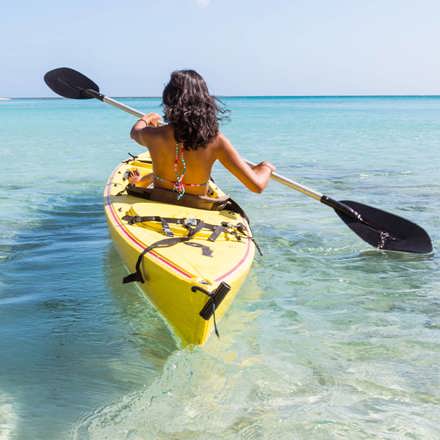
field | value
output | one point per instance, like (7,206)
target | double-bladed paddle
(380,229)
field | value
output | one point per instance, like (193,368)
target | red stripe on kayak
(238,264)
(133,239)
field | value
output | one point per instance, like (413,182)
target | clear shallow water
(328,339)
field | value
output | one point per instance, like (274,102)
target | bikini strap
(179,186)
(173,182)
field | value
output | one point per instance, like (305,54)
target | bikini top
(178,184)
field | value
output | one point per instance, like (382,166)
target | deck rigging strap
(238,230)
(193,226)
(166,242)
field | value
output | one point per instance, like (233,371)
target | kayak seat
(163,195)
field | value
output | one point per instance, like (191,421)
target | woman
(184,151)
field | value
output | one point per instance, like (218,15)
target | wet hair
(191,110)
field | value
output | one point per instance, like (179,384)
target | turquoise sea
(328,339)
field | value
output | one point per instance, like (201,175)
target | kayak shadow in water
(149,333)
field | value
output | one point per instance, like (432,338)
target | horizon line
(257,96)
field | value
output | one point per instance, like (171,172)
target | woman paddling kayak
(184,150)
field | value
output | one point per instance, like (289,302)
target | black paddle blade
(69,83)
(386,231)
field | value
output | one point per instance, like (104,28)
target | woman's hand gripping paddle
(380,229)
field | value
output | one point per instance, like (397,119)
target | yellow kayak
(190,263)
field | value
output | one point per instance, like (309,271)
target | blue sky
(241,47)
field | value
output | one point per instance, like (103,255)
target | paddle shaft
(114,103)
(291,184)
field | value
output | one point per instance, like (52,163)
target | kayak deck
(175,275)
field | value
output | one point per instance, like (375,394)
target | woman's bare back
(167,155)
(161,142)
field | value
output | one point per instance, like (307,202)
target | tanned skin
(160,141)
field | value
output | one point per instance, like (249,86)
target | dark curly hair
(192,111)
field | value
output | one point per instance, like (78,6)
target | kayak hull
(174,276)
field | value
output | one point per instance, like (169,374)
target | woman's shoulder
(221,146)
(222,142)
(219,140)
(216,144)
(163,134)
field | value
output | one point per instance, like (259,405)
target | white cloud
(203,3)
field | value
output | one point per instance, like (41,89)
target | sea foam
(8,417)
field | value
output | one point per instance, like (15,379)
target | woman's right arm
(254,178)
